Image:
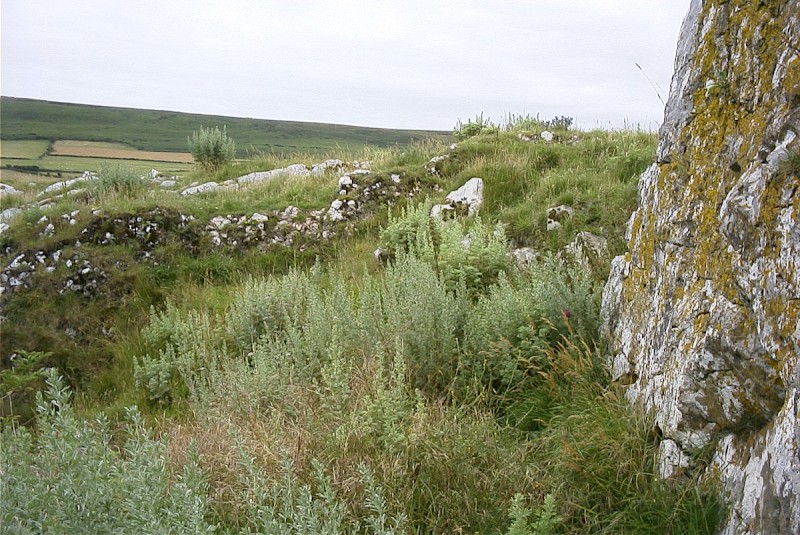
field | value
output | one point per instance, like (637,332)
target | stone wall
(703,313)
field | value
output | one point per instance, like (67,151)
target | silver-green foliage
(284,505)
(120,180)
(461,252)
(545,521)
(211,147)
(182,349)
(69,478)
(311,328)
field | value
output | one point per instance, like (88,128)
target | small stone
(438,209)
(470,194)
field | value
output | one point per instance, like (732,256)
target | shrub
(211,148)
(461,252)
(473,128)
(70,478)
(117,181)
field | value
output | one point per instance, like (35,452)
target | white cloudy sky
(387,63)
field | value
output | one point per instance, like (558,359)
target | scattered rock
(166,184)
(67,184)
(320,168)
(202,188)
(5,189)
(587,250)
(524,256)
(556,215)
(469,195)
(546,136)
(434,166)
(437,210)
(9,213)
(296,169)
(289,213)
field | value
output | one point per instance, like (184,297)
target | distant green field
(23,149)
(27,119)
(78,164)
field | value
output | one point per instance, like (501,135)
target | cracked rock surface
(703,313)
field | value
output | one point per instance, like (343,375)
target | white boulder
(202,188)
(470,194)
(5,189)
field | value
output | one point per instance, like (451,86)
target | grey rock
(9,214)
(437,210)
(67,184)
(556,215)
(703,313)
(524,256)
(469,195)
(320,168)
(6,189)
(202,188)
(587,250)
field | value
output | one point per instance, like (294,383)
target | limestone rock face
(703,313)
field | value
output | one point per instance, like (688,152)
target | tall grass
(441,390)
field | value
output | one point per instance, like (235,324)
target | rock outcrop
(703,313)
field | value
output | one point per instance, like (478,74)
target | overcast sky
(399,64)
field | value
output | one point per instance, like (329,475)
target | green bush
(118,180)
(71,477)
(462,253)
(473,128)
(212,148)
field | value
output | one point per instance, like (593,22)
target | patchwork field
(24,149)
(99,149)
(26,162)
(46,141)
(154,130)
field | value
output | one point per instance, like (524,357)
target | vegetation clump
(212,148)
(444,389)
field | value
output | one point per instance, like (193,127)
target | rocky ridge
(145,230)
(703,313)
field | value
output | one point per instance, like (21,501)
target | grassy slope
(448,463)
(167,131)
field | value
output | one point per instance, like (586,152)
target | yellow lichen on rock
(703,311)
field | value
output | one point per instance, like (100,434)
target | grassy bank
(306,387)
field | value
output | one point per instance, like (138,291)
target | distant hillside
(154,130)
